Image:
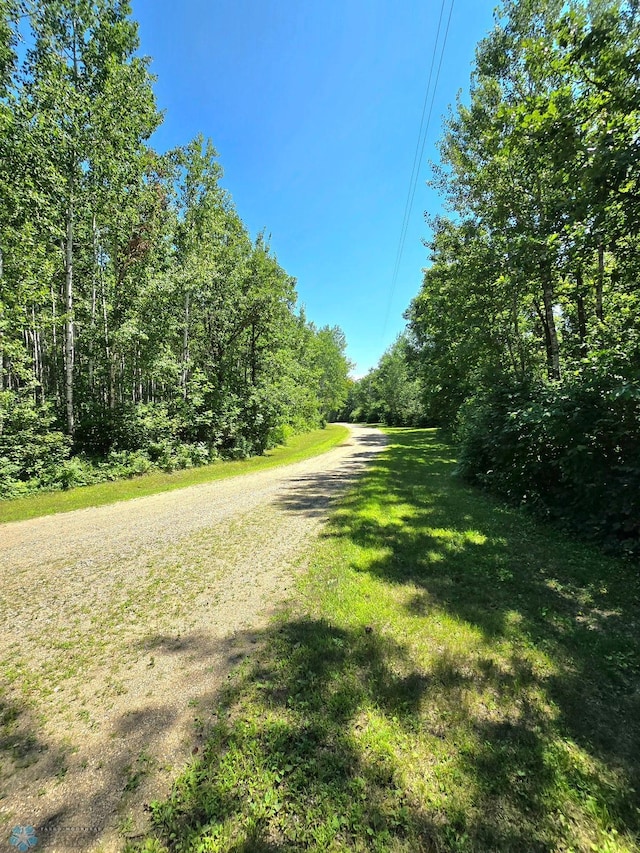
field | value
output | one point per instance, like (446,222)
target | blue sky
(315,110)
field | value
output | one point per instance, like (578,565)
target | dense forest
(524,340)
(140,324)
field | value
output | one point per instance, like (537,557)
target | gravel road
(118,626)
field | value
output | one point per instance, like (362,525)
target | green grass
(298,448)
(454,677)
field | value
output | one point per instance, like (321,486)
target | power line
(420,146)
(416,155)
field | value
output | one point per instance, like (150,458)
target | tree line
(140,324)
(524,339)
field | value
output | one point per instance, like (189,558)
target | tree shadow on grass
(302,755)
(352,735)
(89,800)
(565,722)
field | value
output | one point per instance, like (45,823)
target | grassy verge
(454,677)
(299,447)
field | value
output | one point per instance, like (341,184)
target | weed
(142,766)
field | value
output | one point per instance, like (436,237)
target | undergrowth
(132,476)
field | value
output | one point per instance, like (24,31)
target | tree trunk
(253,354)
(1,334)
(37,359)
(545,334)
(553,349)
(69,351)
(68,328)
(111,400)
(55,373)
(518,337)
(582,316)
(600,283)
(94,275)
(185,346)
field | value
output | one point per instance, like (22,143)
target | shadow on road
(313,494)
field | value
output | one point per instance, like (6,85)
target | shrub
(31,449)
(127,427)
(199,453)
(242,449)
(125,463)
(569,451)
(279,435)
(75,472)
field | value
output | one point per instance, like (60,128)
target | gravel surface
(118,626)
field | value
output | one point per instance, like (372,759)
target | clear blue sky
(315,111)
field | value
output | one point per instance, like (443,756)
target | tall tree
(89,107)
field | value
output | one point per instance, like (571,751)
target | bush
(124,463)
(569,451)
(243,448)
(279,435)
(200,454)
(127,427)
(31,449)
(75,472)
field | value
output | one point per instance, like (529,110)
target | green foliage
(533,274)
(526,330)
(569,451)
(391,393)
(161,328)
(32,451)
(279,435)
(127,427)
(330,368)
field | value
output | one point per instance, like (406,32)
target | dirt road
(118,626)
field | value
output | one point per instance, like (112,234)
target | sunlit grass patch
(454,677)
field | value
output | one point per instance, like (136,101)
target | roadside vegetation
(453,676)
(297,448)
(524,339)
(141,325)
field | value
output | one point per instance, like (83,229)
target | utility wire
(416,155)
(420,146)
